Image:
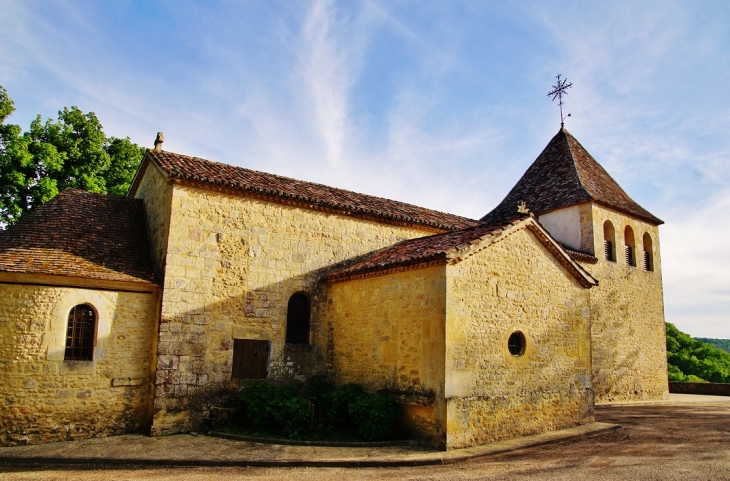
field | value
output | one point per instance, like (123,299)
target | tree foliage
(54,155)
(691,360)
(723,344)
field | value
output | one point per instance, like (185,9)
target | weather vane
(560,89)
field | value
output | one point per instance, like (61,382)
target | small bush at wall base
(316,410)
(374,415)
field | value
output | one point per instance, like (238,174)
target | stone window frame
(609,244)
(520,345)
(80,344)
(55,337)
(524,358)
(294,335)
(648,245)
(629,246)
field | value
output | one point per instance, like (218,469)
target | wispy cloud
(328,72)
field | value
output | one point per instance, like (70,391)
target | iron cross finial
(560,89)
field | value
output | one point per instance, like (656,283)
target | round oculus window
(516,343)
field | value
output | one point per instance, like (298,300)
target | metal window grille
(80,334)
(630,261)
(608,250)
(647,262)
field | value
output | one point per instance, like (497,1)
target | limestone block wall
(628,333)
(387,332)
(157,195)
(515,284)
(232,264)
(44,398)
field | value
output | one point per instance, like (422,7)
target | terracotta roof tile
(200,170)
(420,250)
(80,234)
(582,256)
(566,174)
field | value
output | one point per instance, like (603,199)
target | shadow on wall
(200,323)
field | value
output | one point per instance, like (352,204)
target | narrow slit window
(297,319)
(630,247)
(609,241)
(80,333)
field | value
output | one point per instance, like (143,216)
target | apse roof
(565,174)
(455,245)
(83,235)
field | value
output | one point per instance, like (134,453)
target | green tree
(54,155)
(723,344)
(692,360)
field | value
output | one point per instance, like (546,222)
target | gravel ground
(658,441)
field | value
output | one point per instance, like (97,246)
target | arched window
(297,319)
(629,246)
(80,333)
(648,253)
(609,241)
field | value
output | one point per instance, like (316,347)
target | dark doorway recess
(297,319)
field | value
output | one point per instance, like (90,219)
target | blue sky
(438,103)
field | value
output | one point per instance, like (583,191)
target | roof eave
(55,280)
(651,218)
(132,191)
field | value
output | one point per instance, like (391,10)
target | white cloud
(695,263)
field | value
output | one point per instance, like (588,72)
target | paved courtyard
(687,437)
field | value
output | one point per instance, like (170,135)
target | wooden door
(250,359)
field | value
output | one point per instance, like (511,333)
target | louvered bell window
(80,334)
(608,249)
(630,261)
(647,262)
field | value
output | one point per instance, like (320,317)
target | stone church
(140,314)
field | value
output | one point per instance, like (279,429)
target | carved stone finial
(522,207)
(158,141)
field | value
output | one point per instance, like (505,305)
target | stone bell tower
(617,241)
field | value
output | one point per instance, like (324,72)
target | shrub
(374,415)
(340,399)
(317,408)
(266,404)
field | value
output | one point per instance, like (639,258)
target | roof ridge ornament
(158,141)
(522,207)
(560,89)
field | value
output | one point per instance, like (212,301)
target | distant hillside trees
(691,360)
(723,344)
(53,155)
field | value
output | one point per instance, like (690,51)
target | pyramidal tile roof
(565,174)
(196,169)
(83,235)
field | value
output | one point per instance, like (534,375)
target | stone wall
(387,333)
(156,193)
(232,264)
(515,284)
(44,398)
(704,388)
(628,333)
